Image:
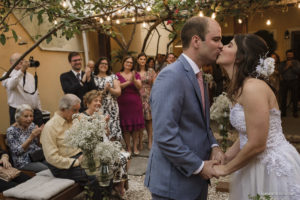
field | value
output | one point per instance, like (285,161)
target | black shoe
(295,115)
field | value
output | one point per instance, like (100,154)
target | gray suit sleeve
(167,99)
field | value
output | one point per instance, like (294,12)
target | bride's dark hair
(250,48)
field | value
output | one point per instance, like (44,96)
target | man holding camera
(21,89)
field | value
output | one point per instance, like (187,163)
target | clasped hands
(215,166)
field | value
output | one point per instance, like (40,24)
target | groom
(183,143)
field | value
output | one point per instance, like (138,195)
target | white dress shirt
(196,70)
(15,91)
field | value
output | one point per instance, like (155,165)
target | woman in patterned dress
(109,84)
(130,104)
(147,76)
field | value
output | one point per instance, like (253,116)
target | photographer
(21,88)
(290,71)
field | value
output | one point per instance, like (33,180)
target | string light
(240,21)
(55,22)
(101,20)
(213,16)
(201,14)
(144,24)
(119,11)
(133,19)
(148,8)
(118,21)
(298,5)
(108,18)
(64,4)
(268,22)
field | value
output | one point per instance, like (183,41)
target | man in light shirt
(20,88)
(63,160)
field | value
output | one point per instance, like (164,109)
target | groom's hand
(218,155)
(208,171)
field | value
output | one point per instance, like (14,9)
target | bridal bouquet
(219,112)
(86,133)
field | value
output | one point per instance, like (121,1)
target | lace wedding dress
(274,172)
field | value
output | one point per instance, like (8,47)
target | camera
(33,63)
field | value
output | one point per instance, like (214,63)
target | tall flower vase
(88,163)
(105,174)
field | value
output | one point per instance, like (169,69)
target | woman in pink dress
(130,104)
(147,76)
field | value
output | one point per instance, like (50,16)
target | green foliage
(14,35)
(2,39)
(118,55)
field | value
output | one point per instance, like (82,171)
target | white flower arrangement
(265,67)
(219,112)
(220,108)
(108,152)
(86,131)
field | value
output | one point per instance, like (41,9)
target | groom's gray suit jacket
(182,137)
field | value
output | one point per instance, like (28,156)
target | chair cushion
(39,188)
(45,172)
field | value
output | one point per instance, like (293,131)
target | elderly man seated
(64,161)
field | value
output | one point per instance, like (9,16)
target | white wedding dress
(274,172)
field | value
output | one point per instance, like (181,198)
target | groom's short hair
(194,26)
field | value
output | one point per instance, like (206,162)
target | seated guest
(23,141)
(63,160)
(5,185)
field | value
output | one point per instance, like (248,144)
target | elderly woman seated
(63,160)
(23,141)
(4,163)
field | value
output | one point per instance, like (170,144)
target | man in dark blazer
(76,81)
(184,149)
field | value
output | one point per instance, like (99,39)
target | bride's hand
(220,170)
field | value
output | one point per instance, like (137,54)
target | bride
(261,160)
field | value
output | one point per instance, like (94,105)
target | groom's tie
(200,82)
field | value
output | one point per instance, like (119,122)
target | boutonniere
(208,78)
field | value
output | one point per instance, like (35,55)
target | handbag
(8,174)
(38,117)
(37,155)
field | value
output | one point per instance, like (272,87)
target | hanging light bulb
(108,18)
(133,19)
(144,24)
(119,11)
(64,4)
(117,21)
(55,22)
(101,20)
(148,8)
(268,22)
(201,14)
(240,21)
(213,16)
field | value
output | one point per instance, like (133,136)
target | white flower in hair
(265,66)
